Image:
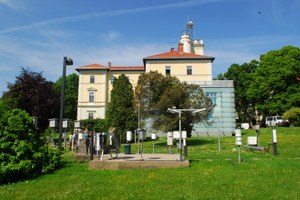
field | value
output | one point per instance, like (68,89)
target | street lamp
(67,61)
(174,110)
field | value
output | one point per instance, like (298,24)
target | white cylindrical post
(153,137)
(274,139)
(170,138)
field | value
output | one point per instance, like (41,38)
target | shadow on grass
(190,142)
(195,142)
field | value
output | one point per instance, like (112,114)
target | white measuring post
(274,139)
(238,141)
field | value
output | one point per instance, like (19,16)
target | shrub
(23,153)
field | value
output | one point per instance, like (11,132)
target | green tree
(23,153)
(157,93)
(99,125)
(71,95)
(34,94)
(242,76)
(220,77)
(275,88)
(3,109)
(120,111)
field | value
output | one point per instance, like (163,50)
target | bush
(23,154)
(293,115)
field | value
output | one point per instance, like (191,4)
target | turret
(198,47)
(187,43)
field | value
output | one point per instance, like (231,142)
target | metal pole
(62,97)
(185,148)
(142,147)
(219,139)
(139,124)
(139,114)
(180,132)
(92,146)
(239,153)
(135,136)
(52,137)
(65,137)
(139,145)
(153,146)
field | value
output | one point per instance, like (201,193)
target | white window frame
(167,70)
(91,97)
(92,79)
(189,70)
(212,96)
(90,115)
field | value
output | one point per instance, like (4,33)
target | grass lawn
(212,174)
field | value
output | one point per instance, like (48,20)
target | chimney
(172,49)
(109,64)
(180,47)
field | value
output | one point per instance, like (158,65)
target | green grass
(212,174)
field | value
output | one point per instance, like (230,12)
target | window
(168,70)
(92,79)
(213,97)
(91,97)
(91,115)
(189,70)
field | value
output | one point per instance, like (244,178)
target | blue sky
(37,34)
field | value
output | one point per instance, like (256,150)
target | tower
(189,44)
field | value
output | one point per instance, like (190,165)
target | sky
(36,35)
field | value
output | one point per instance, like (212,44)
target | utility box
(53,123)
(128,136)
(142,134)
(153,136)
(176,135)
(252,140)
(66,123)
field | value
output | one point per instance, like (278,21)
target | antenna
(189,28)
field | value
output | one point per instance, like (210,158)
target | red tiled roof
(126,68)
(92,66)
(178,55)
(112,68)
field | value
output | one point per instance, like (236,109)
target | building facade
(187,62)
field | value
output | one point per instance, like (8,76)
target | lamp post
(174,110)
(67,61)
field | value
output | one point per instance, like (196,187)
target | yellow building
(185,66)
(95,84)
(187,62)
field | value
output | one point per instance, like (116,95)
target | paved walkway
(130,161)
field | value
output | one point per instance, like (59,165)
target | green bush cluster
(293,115)
(23,153)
